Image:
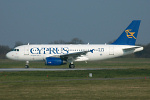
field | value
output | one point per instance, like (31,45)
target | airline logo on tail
(130,34)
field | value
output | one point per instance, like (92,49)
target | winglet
(129,35)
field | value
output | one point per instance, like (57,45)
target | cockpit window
(15,49)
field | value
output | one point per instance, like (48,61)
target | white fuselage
(61,54)
(95,52)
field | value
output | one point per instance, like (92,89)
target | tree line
(142,54)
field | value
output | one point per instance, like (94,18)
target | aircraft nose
(9,55)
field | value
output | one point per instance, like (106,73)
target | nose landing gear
(27,64)
(71,65)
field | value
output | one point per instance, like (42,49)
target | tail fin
(129,35)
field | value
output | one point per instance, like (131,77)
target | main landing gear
(71,65)
(27,64)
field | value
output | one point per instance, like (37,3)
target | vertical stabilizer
(129,35)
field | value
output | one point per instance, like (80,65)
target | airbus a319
(61,54)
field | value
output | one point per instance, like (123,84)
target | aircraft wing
(73,56)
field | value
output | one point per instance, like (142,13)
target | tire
(26,66)
(71,66)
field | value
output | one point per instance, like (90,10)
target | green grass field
(111,63)
(76,85)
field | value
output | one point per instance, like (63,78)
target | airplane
(57,54)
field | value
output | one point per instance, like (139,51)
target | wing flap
(73,56)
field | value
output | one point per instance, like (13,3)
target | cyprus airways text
(58,50)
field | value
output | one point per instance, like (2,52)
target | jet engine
(53,61)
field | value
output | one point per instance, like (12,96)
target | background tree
(76,41)
(145,53)
(3,51)
(58,42)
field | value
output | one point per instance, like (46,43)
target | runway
(50,69)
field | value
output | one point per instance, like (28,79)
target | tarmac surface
(50,69)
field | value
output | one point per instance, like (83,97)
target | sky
(93,21)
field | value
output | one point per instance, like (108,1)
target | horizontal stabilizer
(135,49)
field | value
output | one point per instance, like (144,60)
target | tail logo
(130,34)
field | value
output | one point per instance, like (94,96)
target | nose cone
(9,55)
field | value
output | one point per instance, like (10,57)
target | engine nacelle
(53,61)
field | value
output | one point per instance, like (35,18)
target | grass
(82,74)
(111,63)
(77,90)
(68,85)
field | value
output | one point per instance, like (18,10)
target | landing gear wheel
(26,66)
(71,66)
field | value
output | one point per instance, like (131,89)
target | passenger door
(26,50)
